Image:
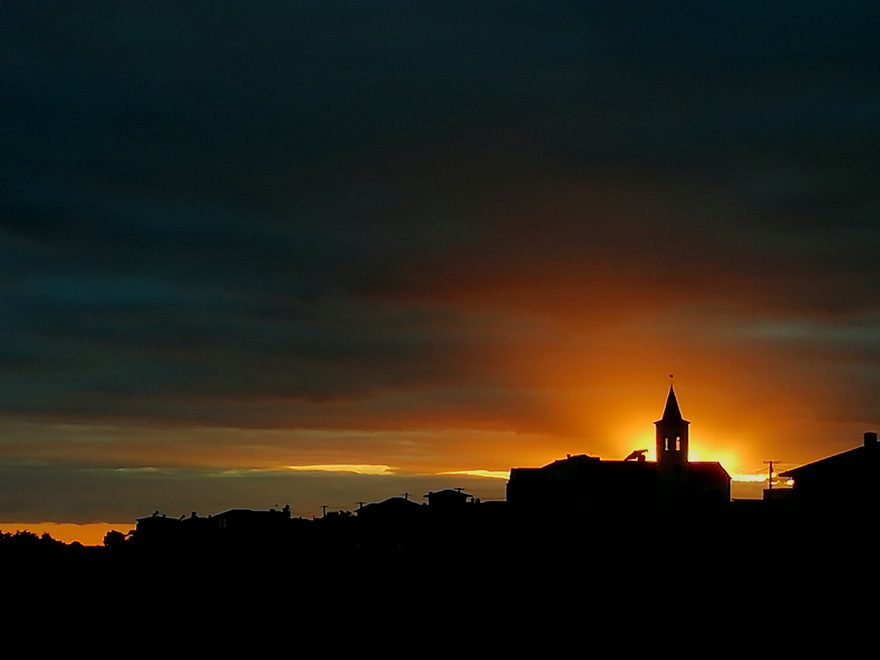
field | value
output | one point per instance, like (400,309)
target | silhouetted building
(451,499)
(196,528)
(157,529)
(848,480)
(248,521)
(779,495)
(590,486)
(395,523)
(392,510)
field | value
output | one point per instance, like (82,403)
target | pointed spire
(671,412)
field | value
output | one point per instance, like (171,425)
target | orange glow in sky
(87,533)
(374,266)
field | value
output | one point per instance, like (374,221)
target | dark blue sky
(430,218)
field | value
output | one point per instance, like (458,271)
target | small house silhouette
(849,480)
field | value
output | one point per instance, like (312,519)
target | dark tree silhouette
(114,539)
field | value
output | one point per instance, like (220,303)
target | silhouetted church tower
(672,433)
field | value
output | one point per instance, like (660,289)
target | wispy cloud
(374,470)
(489,474)
(748,477)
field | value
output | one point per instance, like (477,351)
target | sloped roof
(847,461)
(449,492)
(391,506)
(708,468)
(248,513)
(567,467)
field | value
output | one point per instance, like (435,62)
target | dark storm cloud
(207,204)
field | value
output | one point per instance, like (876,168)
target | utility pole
(769,465)
(323,510)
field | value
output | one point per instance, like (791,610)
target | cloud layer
(392,218)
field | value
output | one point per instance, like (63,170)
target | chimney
(870,439)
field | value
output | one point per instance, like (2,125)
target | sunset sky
(248,250)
